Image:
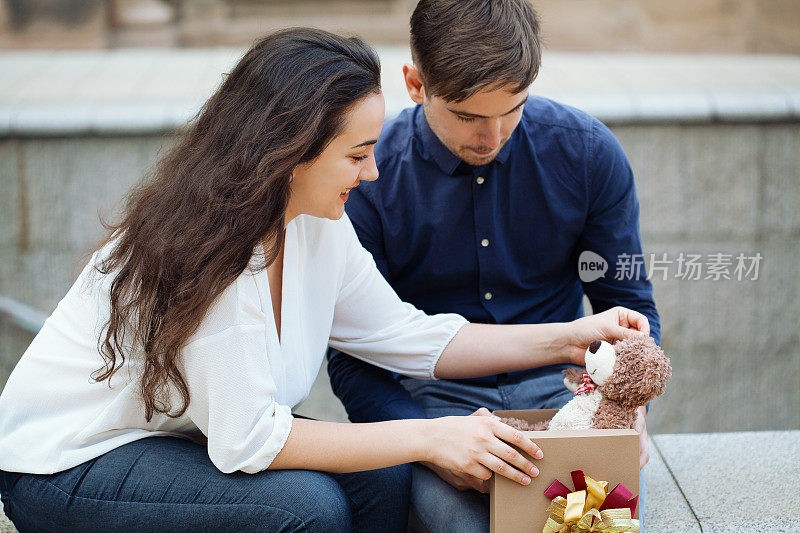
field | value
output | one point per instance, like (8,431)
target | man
(486,200)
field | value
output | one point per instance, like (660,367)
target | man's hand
(644,444)
(460,480)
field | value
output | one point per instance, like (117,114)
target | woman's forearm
(468,444)
(485,349)
(472,445)
(339,447)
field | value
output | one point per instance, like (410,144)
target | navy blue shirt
(497,243)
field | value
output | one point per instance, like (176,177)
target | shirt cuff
(453,328)
(275,442)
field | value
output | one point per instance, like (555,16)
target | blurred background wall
(703,95)
(733,26)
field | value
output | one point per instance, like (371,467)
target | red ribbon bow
(587,387)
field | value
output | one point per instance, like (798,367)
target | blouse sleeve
(233,398)
(372,323)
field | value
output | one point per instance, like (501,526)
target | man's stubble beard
(464,155)
(462,152)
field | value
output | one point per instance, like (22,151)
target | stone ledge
(137,91)
(665,507)
(5,524)
(733,481)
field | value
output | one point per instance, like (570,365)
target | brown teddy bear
(617,379)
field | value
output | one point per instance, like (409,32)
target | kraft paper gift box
(604,454)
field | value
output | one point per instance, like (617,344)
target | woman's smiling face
(321,187)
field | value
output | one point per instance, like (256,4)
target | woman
(204,317)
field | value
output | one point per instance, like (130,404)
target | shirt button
(479,180)
(485,243)
(487,296)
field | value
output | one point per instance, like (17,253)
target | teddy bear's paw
(612,415)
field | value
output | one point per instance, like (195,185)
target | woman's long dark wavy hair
(191,229)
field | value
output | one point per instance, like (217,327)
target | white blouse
(243,382)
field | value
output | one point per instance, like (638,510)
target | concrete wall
(704,188)
(734,344)
(51,192)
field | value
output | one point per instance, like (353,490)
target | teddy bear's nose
(594,346)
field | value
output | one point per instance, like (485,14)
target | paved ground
(731,482)
(5,524)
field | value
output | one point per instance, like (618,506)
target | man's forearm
(486,349)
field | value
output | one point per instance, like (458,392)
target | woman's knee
(315,498)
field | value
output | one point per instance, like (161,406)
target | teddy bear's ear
(640,372)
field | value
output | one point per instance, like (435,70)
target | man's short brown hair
(463,46)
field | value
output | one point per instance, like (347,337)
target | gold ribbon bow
(579,512)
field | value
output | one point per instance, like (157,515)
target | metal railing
(21,315)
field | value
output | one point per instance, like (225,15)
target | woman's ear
(414,86)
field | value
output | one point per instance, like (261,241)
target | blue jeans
(438,507)
(170,484)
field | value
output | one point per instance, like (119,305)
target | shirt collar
(432,147)
(434,150)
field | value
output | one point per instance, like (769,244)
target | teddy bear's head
(640,372)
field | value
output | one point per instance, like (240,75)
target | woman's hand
(460,480)
(475,446)
(615,324)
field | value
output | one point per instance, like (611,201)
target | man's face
(476,128)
